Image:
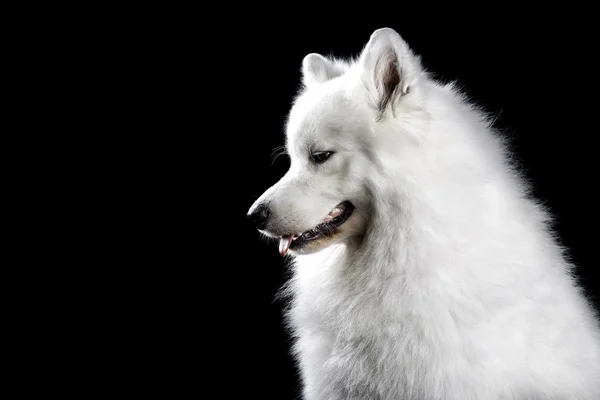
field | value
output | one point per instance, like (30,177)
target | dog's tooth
(336,212)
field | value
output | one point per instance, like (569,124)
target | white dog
(422,267)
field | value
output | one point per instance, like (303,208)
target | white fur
(447,282)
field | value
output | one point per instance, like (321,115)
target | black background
(209,303)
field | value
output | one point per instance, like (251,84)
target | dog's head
(325,198)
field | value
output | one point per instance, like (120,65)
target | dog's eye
(321,156)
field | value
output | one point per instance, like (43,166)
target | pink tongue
(284,244)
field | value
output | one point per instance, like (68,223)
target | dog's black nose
(259,216)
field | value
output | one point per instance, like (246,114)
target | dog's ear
(318,69)
(390,69)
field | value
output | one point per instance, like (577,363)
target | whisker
(277,151)
(277,148)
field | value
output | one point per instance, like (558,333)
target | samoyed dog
(423,269)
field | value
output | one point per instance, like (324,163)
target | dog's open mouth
(334,219)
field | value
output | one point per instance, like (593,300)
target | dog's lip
(336,217)
(337,211)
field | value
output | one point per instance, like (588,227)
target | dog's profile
(423,269)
